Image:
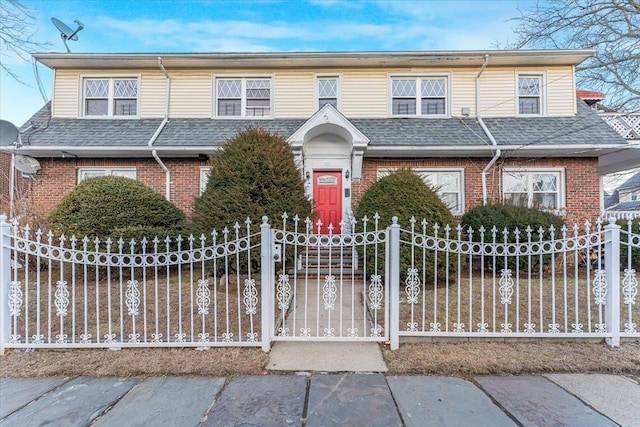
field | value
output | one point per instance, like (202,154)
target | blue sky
(253,26)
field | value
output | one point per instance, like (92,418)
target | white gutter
(486,131)
(154,152)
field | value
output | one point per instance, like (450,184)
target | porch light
(346,174)
(307,175)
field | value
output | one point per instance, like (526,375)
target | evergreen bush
(403,194)
(253,175)
(114,207)
(511,217)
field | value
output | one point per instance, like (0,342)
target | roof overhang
(620,160)
(275,60)
(609,152)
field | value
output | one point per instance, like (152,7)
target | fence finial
(394,220)
(612,220)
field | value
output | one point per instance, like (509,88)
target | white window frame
(384,171)
(560,172)
(111,77)
(107,171)
(316,95)
(543,92)
(243,100)
(418,78)
(204,178)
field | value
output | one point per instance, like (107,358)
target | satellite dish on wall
(8,133)
(26,164)
(67,33)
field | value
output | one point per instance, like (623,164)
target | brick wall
(58,176)
(582,180)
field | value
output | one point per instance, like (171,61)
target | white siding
(294,92)
(66,85)
(364,93)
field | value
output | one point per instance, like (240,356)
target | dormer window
(419,96)
(243,97)
(530,90)
(104,97)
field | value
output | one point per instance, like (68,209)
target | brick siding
(58,176)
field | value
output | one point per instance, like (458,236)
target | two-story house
(481,126)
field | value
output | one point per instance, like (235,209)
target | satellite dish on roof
(8,133)
(67,33)
(26,164)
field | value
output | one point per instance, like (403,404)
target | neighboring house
(628,195)
(481,126)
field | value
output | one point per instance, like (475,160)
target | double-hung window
(530,90)
(419,96)
(540,188)
(110,97)
(327,91)
(243,97)
(91,172)
(447,182)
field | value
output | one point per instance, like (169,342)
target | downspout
(486,132)
(154,153)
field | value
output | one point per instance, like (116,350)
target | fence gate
(330,286)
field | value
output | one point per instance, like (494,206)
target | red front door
(327,193)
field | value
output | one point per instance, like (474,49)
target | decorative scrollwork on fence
(458,327)
(600,287)
(305,332)
(15,298)
(250,294)
(203,337)
(203,296)
(61,298)
(156,338)
(227,337)
(283,291)
(329,332)
(352,332)
(529,328)
(630,327)
(435,326)
(132,297)
(506,287)
(329,292)
(375,292)
(412,285)
(554,328)
(601,328)
(483,327)
(376,331)
(629,286)
(576,328)
(85,338)
(505,328)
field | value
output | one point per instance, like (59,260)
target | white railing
(241,287)
(196,291)
(626,124)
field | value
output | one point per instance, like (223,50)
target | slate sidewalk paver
(269,400)
(164,401)
(76,403)
(536,401)
(615,396)
(445,402)
(18,392)
(351,400)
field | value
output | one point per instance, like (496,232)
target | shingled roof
(584,128)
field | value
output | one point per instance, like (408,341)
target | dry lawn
(135,362)
(465,359)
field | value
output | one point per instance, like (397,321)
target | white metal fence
(244,288)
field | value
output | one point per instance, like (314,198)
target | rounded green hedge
(511,217)
(253,175)
(403,194)
(114,207)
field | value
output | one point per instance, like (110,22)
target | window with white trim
(537,188)
(105,96)
(419,96)
(243,97)
(530,89)
(447,182)
(91,172)
(327,91)
(204,178)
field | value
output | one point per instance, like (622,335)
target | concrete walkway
(322,400)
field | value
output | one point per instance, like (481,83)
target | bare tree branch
(17,35)
(611,27)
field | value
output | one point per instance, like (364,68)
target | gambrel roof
(584,134)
